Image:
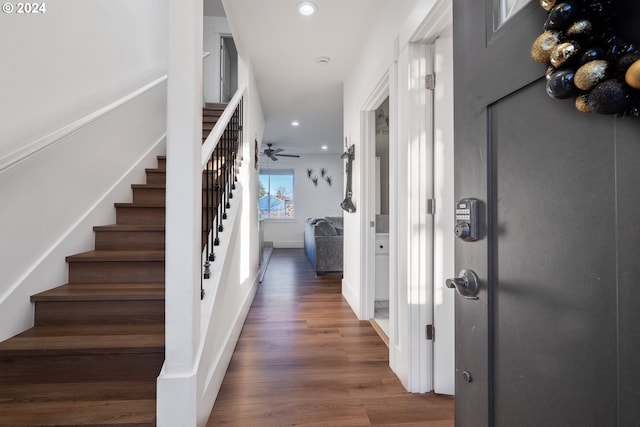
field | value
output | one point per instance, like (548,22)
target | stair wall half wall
(52,198)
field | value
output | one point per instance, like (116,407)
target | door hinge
(430,332)
(430,81)
(431,206)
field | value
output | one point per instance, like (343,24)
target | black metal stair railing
(220,174)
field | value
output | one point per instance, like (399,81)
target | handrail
(28,150)
(222,152)
(218,130)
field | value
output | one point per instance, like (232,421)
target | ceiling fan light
(307,8)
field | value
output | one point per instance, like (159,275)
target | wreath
(587,60)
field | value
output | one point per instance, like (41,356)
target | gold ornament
(582,103)
(548,4)
(590,74)
(563,52)
(544,45)
(583,27)
(632,76)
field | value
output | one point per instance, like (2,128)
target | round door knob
(463,230)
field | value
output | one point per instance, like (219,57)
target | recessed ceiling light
(324,147)
(323,60)
(307,8)
(295,123)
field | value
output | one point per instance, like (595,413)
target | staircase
(97,345)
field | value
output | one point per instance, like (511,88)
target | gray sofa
(323,243)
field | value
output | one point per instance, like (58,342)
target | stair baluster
(221,176)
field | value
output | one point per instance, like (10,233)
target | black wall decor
(349,155)
(323,176)
(591,56)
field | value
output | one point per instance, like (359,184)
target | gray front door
(554,337)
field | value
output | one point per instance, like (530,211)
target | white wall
(60,67)
(74,59)
(310,201)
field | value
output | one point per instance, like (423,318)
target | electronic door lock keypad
(467,220)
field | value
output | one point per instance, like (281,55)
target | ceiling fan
(274,154)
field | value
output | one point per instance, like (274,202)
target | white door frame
(368,170)
(435,30)
(411,269)
(410,239)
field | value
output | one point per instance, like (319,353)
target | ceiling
(284,47)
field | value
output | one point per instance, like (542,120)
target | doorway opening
(228,68)
(381,242)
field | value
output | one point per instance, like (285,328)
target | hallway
(304,359)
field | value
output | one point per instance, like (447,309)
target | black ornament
(609,97)
(560,84)
(561,16)
(623,64)
(591,55)
(599,8)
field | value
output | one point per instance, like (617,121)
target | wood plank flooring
(304,359)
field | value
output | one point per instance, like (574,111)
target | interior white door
(444,222)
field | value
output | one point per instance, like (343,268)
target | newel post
(177,385)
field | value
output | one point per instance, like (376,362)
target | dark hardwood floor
(304,359)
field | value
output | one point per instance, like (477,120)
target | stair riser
(58,313)
(149,195)
(151,216)
(162,163)
(136,215)
(157,195)
(117,240)
(116,272)
(37,369)
(156,177)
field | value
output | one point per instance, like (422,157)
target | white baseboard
(288,244)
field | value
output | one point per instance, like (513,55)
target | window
(508,8)
(275,194)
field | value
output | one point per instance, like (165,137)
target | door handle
(466,284)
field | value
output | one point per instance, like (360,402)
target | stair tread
(94,330)
(118,255)
(85,391)
(150,186)
(133,413)
(129,227)
(215,105)
(85,339)
(103,292)
(139,205)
